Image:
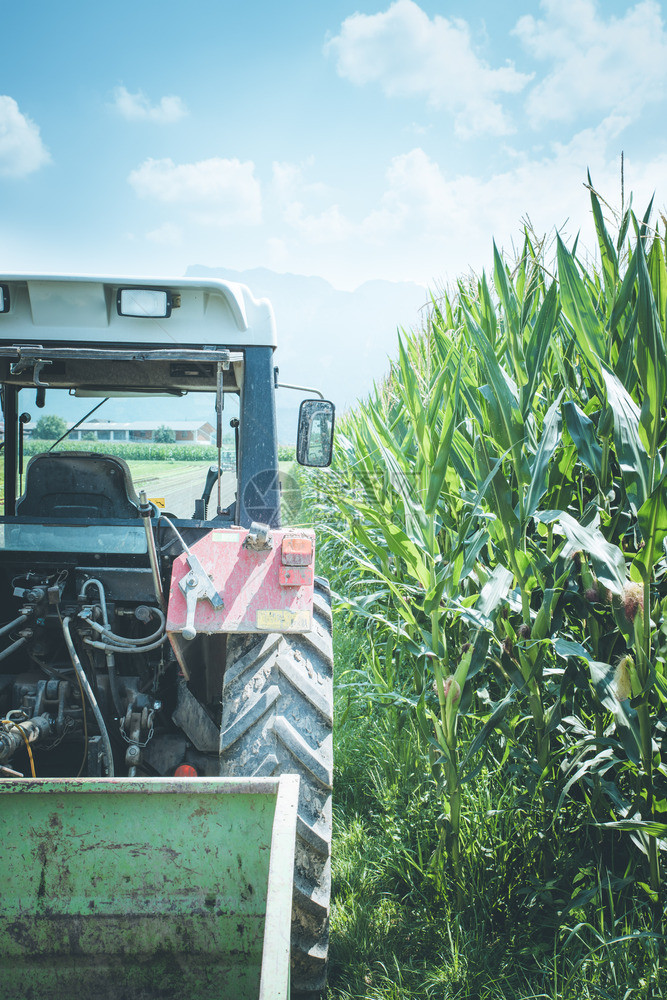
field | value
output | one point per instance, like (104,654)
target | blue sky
(353,140)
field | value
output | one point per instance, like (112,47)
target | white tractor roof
(82,308)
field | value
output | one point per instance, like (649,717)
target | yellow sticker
(279,620)
(226,536)
(158,501)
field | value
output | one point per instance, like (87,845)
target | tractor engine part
(14,735)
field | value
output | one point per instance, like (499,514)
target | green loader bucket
(138,889)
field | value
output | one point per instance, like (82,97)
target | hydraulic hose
(15,624)
(111,663)
(12,649)
(145,510)
(125,649)
(76,663)
(123,640)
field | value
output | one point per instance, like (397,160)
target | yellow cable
(10,722)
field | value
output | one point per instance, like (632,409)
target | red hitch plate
(296,576)
(257,593)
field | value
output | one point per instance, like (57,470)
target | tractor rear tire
(277,717)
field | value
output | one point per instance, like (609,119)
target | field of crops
(138,451)
(497,519)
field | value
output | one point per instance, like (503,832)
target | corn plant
(503,496)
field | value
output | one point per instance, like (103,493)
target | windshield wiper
(74,426)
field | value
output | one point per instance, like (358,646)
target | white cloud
(222,192)
(287,180)
(292,191)
(460,214)
(600,64)
(166,235)
(414,128)
(137,107)
(290,184)
(328,226)
(430,223)
(452,219)
(21,148)
(412,55)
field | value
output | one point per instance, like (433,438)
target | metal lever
(196,586)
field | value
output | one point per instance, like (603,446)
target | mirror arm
(299,388)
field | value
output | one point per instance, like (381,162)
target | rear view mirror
(314,442)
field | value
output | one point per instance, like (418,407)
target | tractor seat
(78,484)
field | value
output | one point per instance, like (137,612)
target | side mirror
(314,442)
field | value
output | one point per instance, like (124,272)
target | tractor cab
(94,527)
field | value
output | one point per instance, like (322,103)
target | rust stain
(20,932)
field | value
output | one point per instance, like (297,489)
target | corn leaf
(607,251)
(511,309)
(630,451)
(499,493)
(439,469)
(652,518)
(624,294)
(627,726)
(508,410)
(498,713)
(538,345)
(582,432)
(607,560)
(495,590)
(402,547)
(578,307)
(651,361)
(551,434)
(658,273)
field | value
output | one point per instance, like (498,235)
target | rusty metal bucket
(138,889)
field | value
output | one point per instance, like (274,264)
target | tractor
(166,664)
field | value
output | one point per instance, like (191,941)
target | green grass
(146,472)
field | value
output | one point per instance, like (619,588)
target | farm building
(185,431)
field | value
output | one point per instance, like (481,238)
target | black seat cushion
(78,484)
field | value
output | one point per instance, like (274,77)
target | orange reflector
(296,551)
(185,771)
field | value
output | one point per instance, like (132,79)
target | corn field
(137,450)
(499,505)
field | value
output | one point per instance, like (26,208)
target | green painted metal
(138,889)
